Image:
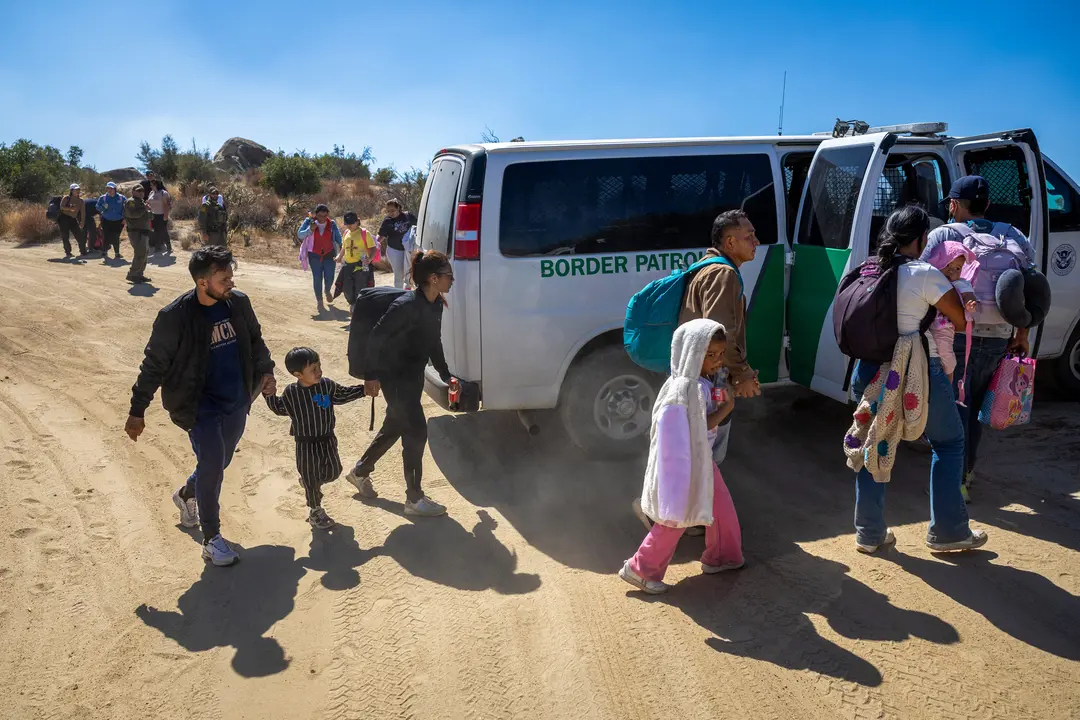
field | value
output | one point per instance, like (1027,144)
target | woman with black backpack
(907,392)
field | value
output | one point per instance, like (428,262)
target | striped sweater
(311,409)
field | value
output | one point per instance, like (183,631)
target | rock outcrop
(123,175)
(124,188)
(238,155)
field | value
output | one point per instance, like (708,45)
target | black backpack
(864,312)
(52,212)
(371,304)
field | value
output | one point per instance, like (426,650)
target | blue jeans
(322,273)
(948,515)
(214,439)
(986,353)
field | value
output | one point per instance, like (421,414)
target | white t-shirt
(919,285)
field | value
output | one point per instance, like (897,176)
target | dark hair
(426,264)
(719,336)
(905,226)
(976,206)
(155,183)
(210,259)
(395,202)
(321,207)
(297,359)
(724,222)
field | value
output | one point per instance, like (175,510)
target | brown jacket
(73,207)
(137,214)
(716,293)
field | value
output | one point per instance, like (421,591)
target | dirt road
(509,607)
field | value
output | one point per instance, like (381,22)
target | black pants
(70,226)
(352,279)
(405,420)
(318,463)
(159,237)
(111,229)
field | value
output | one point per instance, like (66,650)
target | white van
(549,240)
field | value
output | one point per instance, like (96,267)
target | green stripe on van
(814,278)
(765,317)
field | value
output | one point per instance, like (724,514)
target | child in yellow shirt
(357,251)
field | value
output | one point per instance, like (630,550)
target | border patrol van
(549,240)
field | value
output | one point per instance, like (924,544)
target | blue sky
(407,78)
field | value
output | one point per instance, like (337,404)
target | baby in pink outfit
(958,264)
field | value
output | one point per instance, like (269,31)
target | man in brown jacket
(716,292)
(72,220)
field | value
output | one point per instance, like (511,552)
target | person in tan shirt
(716,292)
(72,220)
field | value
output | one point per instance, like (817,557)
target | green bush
(29,171)
(384,176)
(291,176)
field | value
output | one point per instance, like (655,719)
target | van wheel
(606,404)
(1067,367)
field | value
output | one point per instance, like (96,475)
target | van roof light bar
(851,128)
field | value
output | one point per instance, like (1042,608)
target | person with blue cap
(993,336)
(111,208)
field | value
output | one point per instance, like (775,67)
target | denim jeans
(986,353)
(948,515)
(214,439)
(322,273)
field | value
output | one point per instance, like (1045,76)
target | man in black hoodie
(207,354)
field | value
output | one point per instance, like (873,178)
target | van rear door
(435,228)
(832,237)
(1012,165)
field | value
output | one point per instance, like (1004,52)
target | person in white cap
(72,219)
(111,208)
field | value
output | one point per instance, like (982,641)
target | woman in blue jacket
(111,208)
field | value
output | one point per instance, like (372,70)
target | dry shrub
(252,208)
(185,207)
(359,196)
(28,224)
(253,177)
(190,240)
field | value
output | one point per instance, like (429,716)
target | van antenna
(783,97)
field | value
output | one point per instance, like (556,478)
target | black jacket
(179,350)
(406,338)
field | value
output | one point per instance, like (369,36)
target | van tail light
(467,232)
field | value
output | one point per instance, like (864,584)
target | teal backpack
(653,314)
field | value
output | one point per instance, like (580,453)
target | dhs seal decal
(1063,259)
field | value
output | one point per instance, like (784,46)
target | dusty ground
(509,607)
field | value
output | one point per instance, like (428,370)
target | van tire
(1067,368)
(606,404)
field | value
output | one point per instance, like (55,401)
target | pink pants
(723,539)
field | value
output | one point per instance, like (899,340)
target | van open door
(1012,164)
(832,236)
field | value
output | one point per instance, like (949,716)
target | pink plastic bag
(1008,400)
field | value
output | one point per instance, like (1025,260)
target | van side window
(1005,170)
(1063,201)
(795,166)
(636,204)
(829,211)
(906,180)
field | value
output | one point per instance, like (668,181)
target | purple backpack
(997,253)
(864,312)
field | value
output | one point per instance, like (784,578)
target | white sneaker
(651,587)
(189,510)
(424,507)
(974,541)
(713,569)
(890,539)
(362,483)
(219,552)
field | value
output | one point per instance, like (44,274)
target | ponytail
(426,264)
(905,226)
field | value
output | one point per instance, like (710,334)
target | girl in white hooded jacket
(683,486)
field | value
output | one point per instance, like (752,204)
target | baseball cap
(350,218)
(321,207)
(970,187)
(74,186)
(110,185)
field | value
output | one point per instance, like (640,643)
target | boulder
(238,155)
(124,188)
(123,175)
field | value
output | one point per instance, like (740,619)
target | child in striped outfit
(309,403)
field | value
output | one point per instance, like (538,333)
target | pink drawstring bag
(1008,400)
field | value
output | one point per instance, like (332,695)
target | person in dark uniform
(309,403)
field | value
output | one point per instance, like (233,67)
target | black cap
(970,187)
(350,218)
(321,207)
